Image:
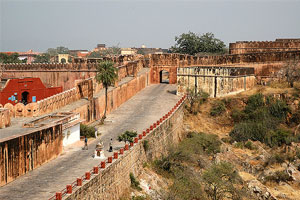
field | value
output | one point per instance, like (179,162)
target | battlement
(242,47)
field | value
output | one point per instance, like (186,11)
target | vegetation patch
(218,108)
(87,131)
(260,121)
(135,184)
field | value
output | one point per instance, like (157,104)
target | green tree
(107,74)
(219,181)
(127,136)
(43,58)
(12,58)
(192,43)
(58,50)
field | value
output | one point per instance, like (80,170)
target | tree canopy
(107,74)
(192,43)
(12,58)
(43,58)
(58,50)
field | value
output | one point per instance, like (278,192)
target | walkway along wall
(112,181)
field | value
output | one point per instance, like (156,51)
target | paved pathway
(136,114)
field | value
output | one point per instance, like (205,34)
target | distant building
(144,50)
(100,47)
(128,51)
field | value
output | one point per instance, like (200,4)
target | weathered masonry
(216,81)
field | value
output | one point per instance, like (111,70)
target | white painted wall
(71,135)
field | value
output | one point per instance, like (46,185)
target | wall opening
(25,97)
(63,60)
(164,77)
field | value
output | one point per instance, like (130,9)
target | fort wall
(280,45)
(64,75)
(111,182)
(216,81)
(18,155)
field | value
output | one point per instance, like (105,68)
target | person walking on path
(110,146)
(96,132)
(85,143)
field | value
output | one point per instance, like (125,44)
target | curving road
(136,114)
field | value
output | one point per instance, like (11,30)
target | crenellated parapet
(279,45)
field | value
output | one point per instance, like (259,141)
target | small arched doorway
(63,60)
(164,77)
(25,97)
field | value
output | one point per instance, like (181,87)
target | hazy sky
(40,24)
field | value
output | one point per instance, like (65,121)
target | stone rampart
(65,75)
(216,81)
(20,154)
(243,47)
(264,64)
(110,179)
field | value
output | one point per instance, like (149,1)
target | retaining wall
(110,179)
(216,81)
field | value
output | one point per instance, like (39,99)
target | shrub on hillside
(195,100)
(278,176)
(254,102)
(87,131)
(134,182)
(217,108)
(259,121)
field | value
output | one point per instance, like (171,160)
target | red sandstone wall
(65,75)
(268,46)
(27,152)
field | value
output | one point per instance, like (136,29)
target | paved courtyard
(136,114)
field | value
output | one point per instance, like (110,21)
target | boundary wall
(216,81)
(242,47)
(21,154)
(64,75)
(110,179)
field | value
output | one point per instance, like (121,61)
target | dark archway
(25,97)
(63,60)
(164,77)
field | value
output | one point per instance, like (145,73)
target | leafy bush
(134,182)
(259,121)
(238,115)
(219,181)
(278,176)
(279,109)
(195,100)
(249,145)
(218,108)
(254,102)
(127,136)
(87,131)
(279,137)
(188,149)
